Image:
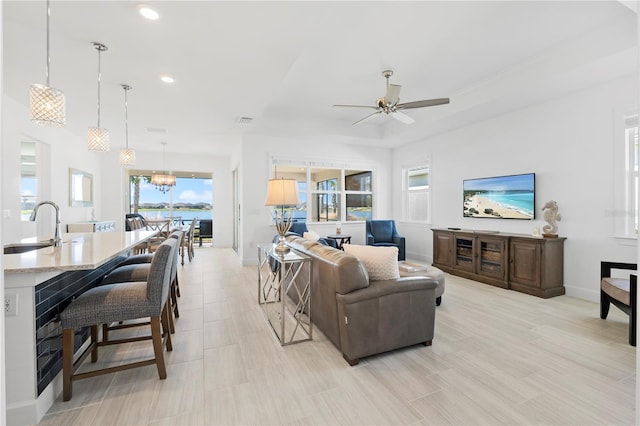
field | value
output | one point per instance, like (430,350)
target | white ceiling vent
(245,120)
(156,130)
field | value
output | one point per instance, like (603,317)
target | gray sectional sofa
(363,317)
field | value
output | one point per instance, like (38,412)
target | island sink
(25,247)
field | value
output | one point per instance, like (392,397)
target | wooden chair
(622,292)
(133,224)
(163,227)
(189,237)
(111,303)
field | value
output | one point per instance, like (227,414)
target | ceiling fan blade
(367,118)
(393,94)
(357,106)
(425,103)
(400,116)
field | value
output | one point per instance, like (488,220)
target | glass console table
(284,293)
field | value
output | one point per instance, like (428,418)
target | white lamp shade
(282,192)
(127,157)
(98,139)
(47,105)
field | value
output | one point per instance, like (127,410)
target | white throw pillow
(380,262)
(310,235)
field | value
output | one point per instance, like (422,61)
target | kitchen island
(40,284)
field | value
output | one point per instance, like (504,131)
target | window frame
(407,191)
(631,159)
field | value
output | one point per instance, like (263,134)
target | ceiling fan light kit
(389,104)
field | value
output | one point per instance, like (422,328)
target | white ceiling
(286,63)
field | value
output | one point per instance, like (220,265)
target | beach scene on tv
(503,197)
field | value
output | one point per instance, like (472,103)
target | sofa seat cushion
(381,263)
(617,288)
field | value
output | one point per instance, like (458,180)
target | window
(192,196)
(416,193)
(326,206)
(631,169)
(28,179)
(328,193)
(358,194)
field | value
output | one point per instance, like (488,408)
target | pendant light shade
(97,137)
(47,105)
(127,156)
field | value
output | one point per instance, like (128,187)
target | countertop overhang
(79,251)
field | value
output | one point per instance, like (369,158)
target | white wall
(66,151)
(569,144)
(255,217)
(116,203)
(3,387)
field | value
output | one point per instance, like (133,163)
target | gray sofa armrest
(386,315)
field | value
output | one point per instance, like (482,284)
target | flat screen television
(500,197)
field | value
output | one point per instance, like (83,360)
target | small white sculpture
(551,216)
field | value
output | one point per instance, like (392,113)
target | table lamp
(282,192)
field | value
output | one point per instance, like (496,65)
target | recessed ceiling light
(166,79)
(148,12)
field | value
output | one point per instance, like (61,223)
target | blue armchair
(299,228)
(384,233)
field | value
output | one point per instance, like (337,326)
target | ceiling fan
(388,104)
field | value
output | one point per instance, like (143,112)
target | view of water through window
(190,197)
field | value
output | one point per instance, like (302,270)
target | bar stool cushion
(137,258)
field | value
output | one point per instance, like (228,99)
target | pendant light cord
(100,48)
(126,116)
(48,16)
(99,75)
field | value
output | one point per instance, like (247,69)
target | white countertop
(78,251)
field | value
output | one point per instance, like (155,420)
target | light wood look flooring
(498,358)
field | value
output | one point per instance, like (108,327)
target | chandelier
(163,181)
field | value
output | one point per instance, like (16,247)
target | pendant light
(127,156)
(97,137)
(163,181)
(47,105)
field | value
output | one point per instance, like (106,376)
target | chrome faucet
(57,240)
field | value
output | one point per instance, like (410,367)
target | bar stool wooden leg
(94,341)
(67,362)
(156,336)
(165,326)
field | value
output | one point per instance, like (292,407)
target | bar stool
(136,268)
(120,302)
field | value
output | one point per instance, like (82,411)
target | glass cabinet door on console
(492,257)
(464,253)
